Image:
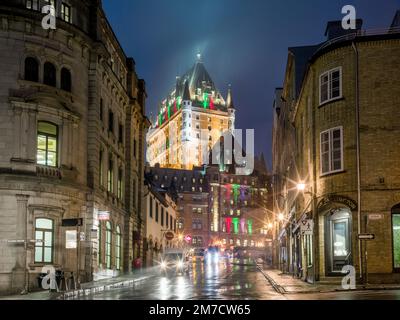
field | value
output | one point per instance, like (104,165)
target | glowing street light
(270,225)
(281,217)
(301,186)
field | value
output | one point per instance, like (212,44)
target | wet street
(212,281)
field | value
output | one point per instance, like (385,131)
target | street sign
(72,222)
(71,241)
(307,227)
(375,216)
(169,235)
(366,236)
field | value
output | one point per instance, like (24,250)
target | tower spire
(186,92)
(229,100)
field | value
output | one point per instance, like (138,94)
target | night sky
(243,43)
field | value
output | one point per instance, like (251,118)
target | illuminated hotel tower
(189,121)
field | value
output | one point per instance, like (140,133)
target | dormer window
(66,12)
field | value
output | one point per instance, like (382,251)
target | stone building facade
(191,190)
(72,125)
(341,99)
(161,220)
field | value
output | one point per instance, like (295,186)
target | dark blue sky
(243,42)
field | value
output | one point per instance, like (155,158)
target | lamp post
(301,187)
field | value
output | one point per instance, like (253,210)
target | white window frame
(329,73)
(330,132)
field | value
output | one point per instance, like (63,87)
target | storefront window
(396,239)
(44,241)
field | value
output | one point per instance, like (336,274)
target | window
(44,241)
(174,225)
(101,111)
(171,225)
(108,245)
(110,121)
(166,219)
(120,133)
(151,207)
(31,69)
(396,237)
(99,244)
(66,82)
(156,211)
(47,147)
(51,3)
(101,168)
(110,175)
(120,184)
(332,151)
(134,148)
(309,247)
(49,74)
(330,85)
(118,249)
(162,216)
(197,225)
(66,12)
(33,5)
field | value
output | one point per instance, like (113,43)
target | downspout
(357,103)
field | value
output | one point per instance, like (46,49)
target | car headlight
(163,265)
(180,264)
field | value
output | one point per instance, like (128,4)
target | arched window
(49,74)
(66,81)
(44,240)
(108,245)
(118,249)
(31,69)
(47,144)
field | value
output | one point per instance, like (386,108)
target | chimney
(334,29)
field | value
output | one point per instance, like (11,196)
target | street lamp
(301,186)
(281,217)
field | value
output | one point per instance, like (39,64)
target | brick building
(72,125)
(338,110)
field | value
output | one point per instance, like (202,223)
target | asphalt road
(211,281)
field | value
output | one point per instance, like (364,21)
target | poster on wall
(71,239)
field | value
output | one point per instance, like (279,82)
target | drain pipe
(357,102)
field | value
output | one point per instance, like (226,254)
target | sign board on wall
(307,227)
(103,215)
(71,241)
(375,216)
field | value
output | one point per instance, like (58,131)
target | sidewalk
(88,288)
(287,284)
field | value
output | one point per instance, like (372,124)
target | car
(174,261)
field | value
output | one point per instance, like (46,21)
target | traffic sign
(366,236)
(188,238)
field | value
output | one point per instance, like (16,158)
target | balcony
(48,172)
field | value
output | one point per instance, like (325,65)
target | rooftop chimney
(334,29)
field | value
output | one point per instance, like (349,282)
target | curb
(276,286)
(97,289)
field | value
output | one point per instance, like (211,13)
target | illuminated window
(66,12)
(120,184)
(47,144)
(108,245)
(101,168)
(118,249)
(110,175)
(44,240)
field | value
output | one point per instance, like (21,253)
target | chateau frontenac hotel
(193,107)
